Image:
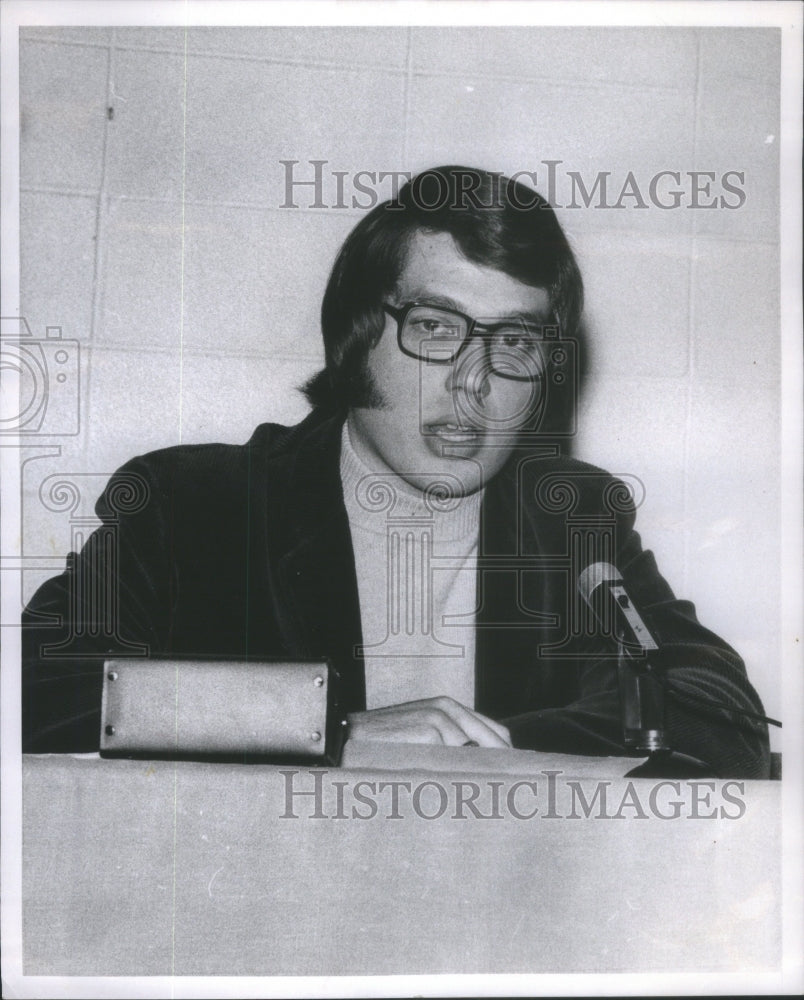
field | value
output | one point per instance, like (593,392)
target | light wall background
(152,232)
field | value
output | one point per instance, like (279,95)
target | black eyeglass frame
(473,330)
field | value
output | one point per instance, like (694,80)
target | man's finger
(412,725)
(486,732)
(477,729)
(430,720)
(452,734)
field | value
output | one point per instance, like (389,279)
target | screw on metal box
(110,730)
(112,675)
(315,737)
(319,682)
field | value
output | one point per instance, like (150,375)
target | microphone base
(645,740)
(671,764)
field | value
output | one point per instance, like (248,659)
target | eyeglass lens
(437,336)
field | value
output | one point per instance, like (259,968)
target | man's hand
(432,720)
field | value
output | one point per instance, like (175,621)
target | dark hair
(495,221)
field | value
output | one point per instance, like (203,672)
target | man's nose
(469,374)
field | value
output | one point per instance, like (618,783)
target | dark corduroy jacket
(245,551)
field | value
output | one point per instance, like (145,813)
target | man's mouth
(454,433)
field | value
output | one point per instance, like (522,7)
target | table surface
(155,867)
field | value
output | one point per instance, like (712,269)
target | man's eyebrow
(437,299)
(433,299)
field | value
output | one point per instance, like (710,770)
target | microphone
(602,587)
(641,692)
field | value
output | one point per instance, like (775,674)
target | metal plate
(228,708)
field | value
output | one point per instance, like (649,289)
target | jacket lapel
(521,594)
(307,530)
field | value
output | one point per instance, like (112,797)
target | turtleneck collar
(372,498)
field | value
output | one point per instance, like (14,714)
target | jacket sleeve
(113,599)
(703,678)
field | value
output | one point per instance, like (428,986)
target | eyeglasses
(438,336)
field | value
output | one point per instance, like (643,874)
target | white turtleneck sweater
(416,563)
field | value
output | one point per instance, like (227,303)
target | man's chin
(453,476)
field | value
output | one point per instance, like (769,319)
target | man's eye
(435,327)
(515,340)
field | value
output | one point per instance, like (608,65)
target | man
(421,528)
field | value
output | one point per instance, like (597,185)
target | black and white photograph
(402,494)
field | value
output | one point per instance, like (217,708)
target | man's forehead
(436,272)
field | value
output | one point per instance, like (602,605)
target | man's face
(447,420)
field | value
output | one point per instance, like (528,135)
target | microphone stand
(642,713)
(640,681)
(641,703)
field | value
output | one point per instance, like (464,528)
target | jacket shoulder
(559,484)
(265,439)
(563,464)
(203,473)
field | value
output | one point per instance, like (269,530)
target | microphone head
(595,574)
